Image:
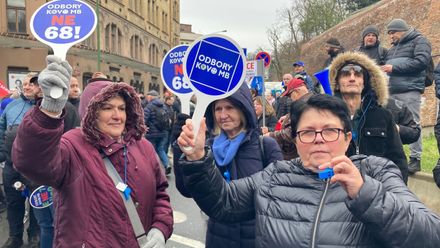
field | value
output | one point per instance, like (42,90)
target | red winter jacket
(89,211)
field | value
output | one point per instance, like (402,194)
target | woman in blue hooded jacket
(239,152)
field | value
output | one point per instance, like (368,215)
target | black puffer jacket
(282,106)
(286,199)
(409,57)
(375,52)
(409,129)
(436,75)
(374,130)
(248,160)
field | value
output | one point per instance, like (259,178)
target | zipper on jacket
(321,204)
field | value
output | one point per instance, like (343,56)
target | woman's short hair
(320,102)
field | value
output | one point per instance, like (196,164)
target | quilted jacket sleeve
(391,211)
(222,201)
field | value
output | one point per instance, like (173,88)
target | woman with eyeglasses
(364,204)
(358,80)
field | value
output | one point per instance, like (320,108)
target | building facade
(186,34)
(128,44)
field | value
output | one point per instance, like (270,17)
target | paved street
(189,224)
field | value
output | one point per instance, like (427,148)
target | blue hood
(242,99)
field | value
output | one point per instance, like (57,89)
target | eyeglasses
(346,71)
(327,134)
(391,32)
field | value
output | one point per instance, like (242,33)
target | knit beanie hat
(152,93)
(333,42)
(397,25)
(371,29)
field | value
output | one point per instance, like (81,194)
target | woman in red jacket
(89,209)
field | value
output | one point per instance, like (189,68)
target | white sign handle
(185,100)
(61,52)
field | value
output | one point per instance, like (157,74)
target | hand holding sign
(215,67)
(61,24)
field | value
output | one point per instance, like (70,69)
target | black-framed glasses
(327,134)
(346,71)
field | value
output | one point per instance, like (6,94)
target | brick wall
(424,15)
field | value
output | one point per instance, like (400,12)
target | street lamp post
(98,34)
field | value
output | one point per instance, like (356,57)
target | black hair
(320,102)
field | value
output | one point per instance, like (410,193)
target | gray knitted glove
(57,73)
(155,239)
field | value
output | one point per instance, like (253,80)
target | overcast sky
(246,21)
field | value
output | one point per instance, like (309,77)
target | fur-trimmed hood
(377,79)
(100,93)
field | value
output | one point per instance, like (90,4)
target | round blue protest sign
(42,197)
(63,22)
(215,65)
(172,71)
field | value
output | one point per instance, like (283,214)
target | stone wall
(424,15)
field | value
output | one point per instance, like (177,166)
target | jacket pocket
(374,141)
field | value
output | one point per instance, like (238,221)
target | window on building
(157,16)
(136,82)
(175,10)
(113,38)
(16,14)
(164,22)
(86,77)
(153,53)
(136,47)
(135,5)
(90,42)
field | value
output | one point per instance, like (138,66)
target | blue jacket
(9,121)
(248,161)
(410,58)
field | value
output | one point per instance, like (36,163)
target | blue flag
(257,84)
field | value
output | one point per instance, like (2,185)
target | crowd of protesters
(253,167)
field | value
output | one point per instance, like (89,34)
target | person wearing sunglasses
(358,80)
(365,203)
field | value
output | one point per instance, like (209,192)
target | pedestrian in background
(333,48)
(270,118)
(406,63)
(370,45)
(10,119)
(158,120)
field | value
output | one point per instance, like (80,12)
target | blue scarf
(224,149)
